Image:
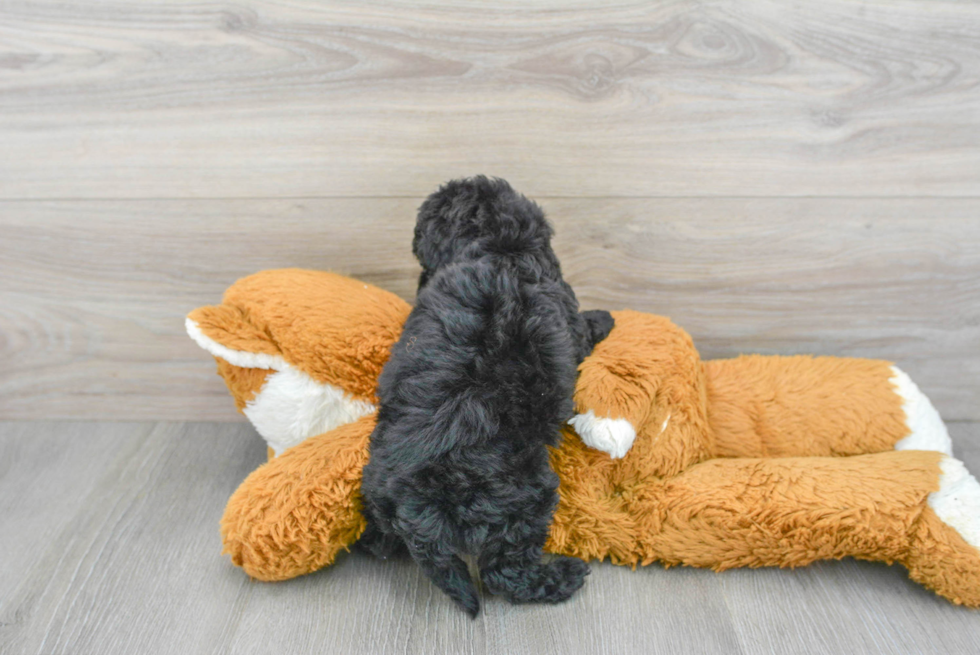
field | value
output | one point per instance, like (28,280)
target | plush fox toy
(754,461)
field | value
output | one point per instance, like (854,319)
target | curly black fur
(479,383)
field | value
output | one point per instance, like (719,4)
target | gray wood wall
(776,178)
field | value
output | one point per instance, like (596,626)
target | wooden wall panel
(93,293)
(127,99)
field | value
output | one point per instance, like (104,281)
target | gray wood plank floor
(109,542)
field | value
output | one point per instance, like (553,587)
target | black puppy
(479,383)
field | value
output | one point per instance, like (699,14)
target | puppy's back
(486,354)
(478,384)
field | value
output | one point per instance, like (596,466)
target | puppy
(479,383)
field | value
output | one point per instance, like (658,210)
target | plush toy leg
(645,376)
(926,430)
(817,406)
(918,508)
(757,406)
(945,552)
(294,514)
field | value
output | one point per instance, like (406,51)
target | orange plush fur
(754,461)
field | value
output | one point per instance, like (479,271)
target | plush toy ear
(225,332)
(245,355)
(300,350)
(335,329)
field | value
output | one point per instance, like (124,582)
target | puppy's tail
(450,574)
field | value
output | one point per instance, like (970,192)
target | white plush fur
(291,406)
(957,502)
(928,432)
(610,435)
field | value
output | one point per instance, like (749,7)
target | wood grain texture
(776,178)
(130,564)
(131,99)
(110,542)
(93,293)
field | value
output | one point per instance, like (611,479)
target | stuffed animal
(754,461)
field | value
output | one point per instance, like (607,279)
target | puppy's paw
(562,578)
(550,582)
(381,545)
(613,436)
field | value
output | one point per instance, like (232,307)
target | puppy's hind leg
(383,545)
(511,566)
(448,572)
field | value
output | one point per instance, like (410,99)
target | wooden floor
(776,177)
(110,545)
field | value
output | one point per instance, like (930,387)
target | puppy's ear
(434,234)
